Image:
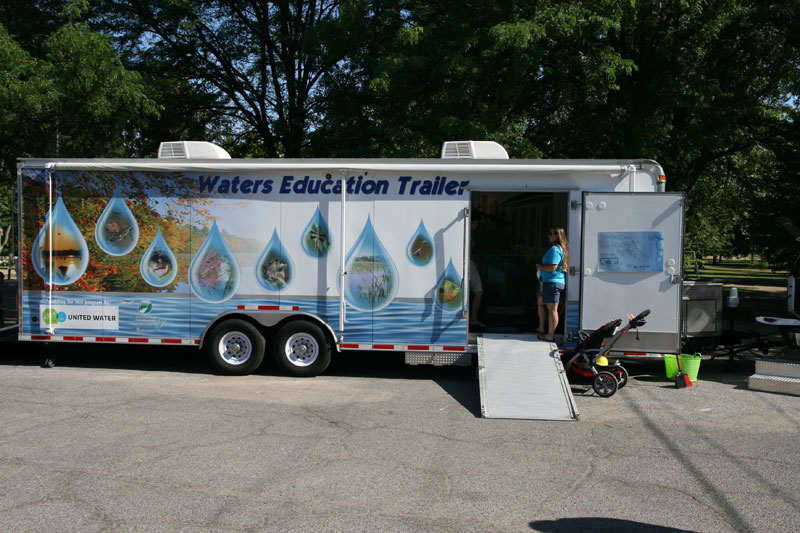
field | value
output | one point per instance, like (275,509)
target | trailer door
(632,260)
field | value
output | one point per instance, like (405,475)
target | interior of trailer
(509,240)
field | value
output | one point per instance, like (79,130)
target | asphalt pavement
(133,439)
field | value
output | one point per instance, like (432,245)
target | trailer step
(779,384)
(778,368)
(523,377)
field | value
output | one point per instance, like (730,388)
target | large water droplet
(116,231)
(67,253)
(420,247)
(449,293)
(158,265)
(214,273)
(317,239)
(371,280)
(274,269)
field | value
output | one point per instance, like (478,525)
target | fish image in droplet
(158,265)
(60,244)
(449,293)
(420,247)
(316,238)
(371,282)
(214,273)
(274,268)
(116,231)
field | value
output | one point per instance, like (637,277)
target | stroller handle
(638,320)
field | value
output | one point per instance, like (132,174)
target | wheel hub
(235,348)
(302,349)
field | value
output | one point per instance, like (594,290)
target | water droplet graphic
(317,239)
(448,293)
(274,269)
(116,231)
(158,265)
(420,247)
(371,281)
(70,254)
(214,272)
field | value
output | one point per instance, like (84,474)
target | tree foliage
(258,63)
(706,87)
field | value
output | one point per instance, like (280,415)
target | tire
(301,349)
(621,374)
(605,384)
(235,347)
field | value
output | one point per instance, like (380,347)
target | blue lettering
(403,182)
(208,183)
(300,186)
(286,184)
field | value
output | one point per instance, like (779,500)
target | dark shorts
(551,292)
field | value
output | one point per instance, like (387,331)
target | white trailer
(304,258)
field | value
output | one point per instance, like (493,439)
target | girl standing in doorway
(552,272)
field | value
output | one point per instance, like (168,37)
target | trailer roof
(614,166)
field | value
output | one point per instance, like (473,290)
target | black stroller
(585,358)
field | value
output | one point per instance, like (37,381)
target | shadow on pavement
(459,382)
(598,524)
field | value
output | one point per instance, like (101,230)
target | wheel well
(269,330)
(323,326)
(224,318)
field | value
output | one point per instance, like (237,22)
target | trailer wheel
(605,384)
(235,347)
(301,349)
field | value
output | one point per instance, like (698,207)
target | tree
(259,63)
(25,97)
(67,95)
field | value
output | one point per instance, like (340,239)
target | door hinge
(575,204)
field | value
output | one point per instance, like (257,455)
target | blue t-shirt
(554,256)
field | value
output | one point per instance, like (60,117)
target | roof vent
(191,150)
(473,150)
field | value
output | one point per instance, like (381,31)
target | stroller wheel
(621,374)
(605,384)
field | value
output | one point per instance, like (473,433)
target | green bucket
(690,364)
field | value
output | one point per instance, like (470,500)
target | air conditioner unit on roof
(473,150)
(191,150)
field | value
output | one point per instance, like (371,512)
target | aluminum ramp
(523,377)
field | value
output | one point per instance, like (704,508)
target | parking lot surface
(153,440)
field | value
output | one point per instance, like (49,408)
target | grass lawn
(738,272)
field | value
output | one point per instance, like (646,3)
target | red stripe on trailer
(383,346)
(105,339)
(353,346)
(268,307)
(172,341)
(634,353)
(138,339)
(40,337)
(419,348)
(454,348)
(73,338)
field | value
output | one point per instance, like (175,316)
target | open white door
(633,260)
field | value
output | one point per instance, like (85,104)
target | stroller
(585,358)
